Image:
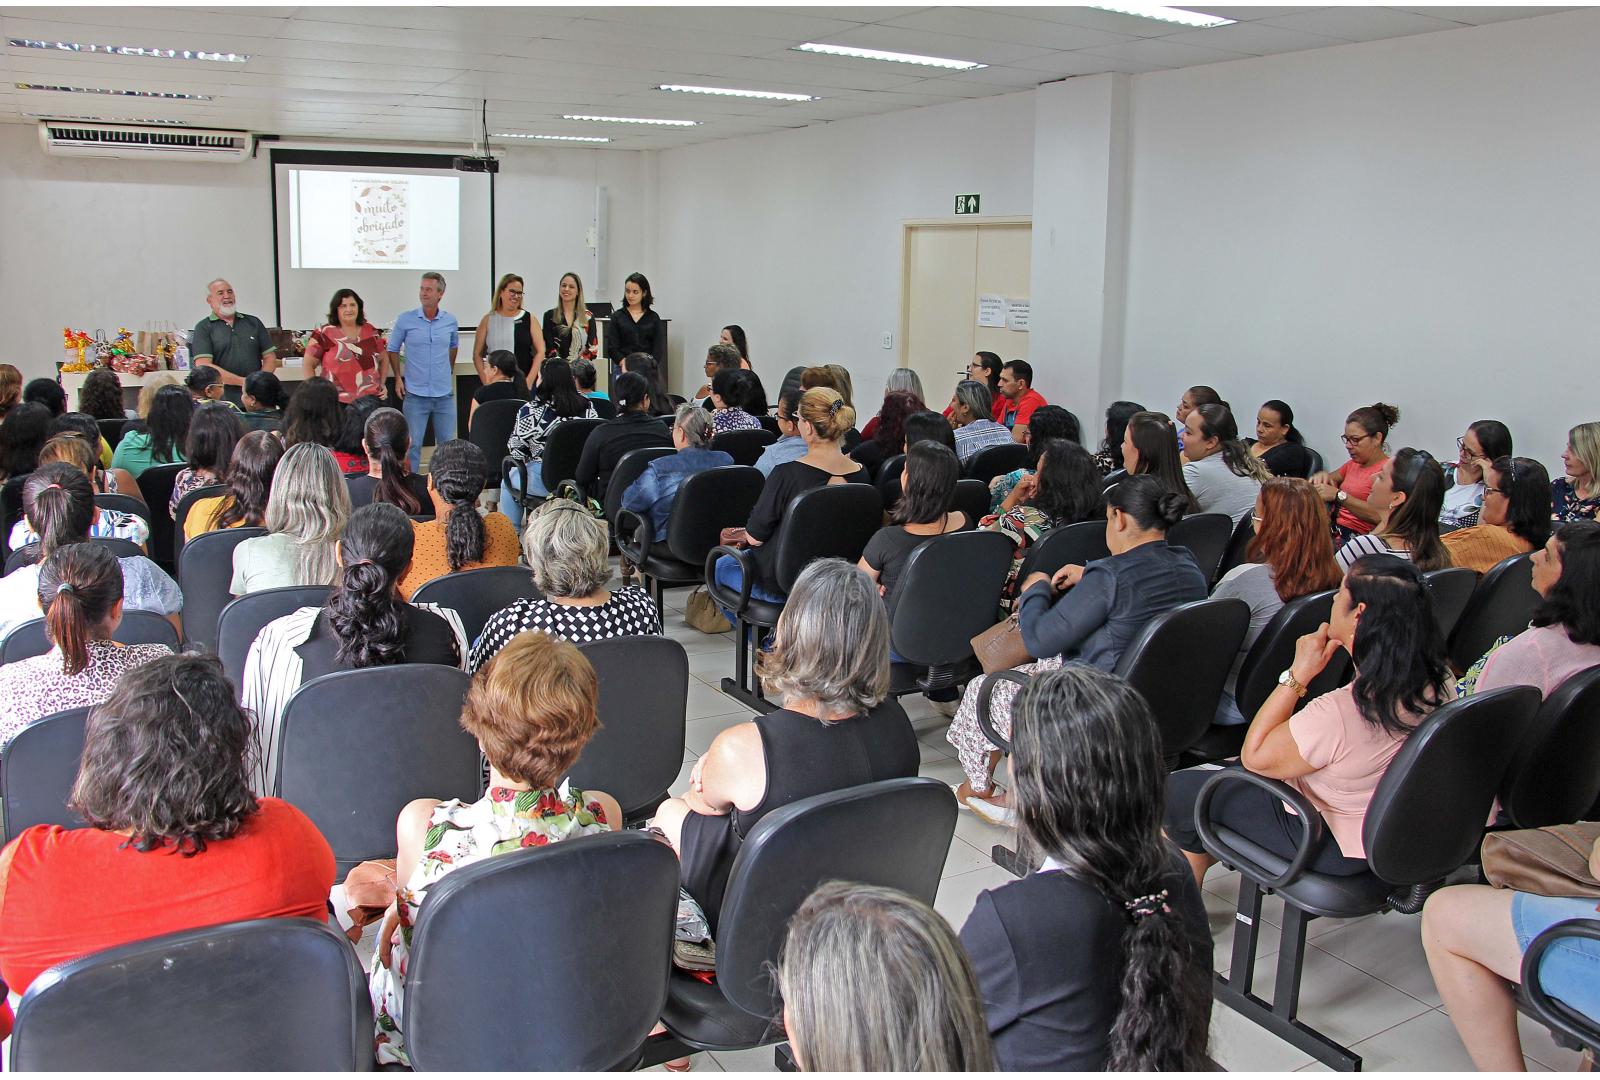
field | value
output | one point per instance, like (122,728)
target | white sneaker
(1004,816)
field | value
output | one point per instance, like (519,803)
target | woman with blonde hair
(566,328)
(510,328)
(153,383)
(1576,496)
(306,511)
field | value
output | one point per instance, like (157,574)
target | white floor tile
(1538,1045)
(699,733)
(1426,1043)
(758,1060)
(698,1063)
(958,894)
(1222,914)
(712,665)
(963,859)
(1344,1003)
(705,699)
(942,768)
(1387,947)
(1241,1046)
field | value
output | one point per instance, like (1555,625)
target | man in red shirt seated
(1014,404)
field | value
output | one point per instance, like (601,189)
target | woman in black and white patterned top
(80,593)
(567,548)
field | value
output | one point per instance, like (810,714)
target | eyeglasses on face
(1497,491)
(1467,453)
(1352,440)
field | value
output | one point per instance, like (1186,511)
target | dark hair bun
(1171,507)
(1390,414)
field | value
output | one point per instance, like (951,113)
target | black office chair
(1425,820)
(273,994)
(745,445)
(706,503)
(1112,479)
(993,461)
(1076,544)
(834,521)
(476,595)
(242,619)
(1451,588)
(1315,466)
(888,481)
(629,468)
(567,445)
(770,422)
(37,770)
(972,499)
(10,508)
(1554,775)
(181,514)
(402,723)
(455,1016)
(28,554)
(155,484)
(205,571)
(932,624)
(644,699)
(1502,604)
(126,504)
(895,833)
(604,408)
(1237,552)
(1206,536)
(1180,663)
(1569,1026)
(136,628)
(111,431)
(490,430)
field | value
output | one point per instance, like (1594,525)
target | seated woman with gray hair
(652,494)
(568,550)
(838,728)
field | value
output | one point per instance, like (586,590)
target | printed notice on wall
(1017,315)
(991,310)
(380,233)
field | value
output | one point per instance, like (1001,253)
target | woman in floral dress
(532,709)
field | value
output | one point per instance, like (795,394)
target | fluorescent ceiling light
(896,57)
(764,95)
(130,50)
(165,95)
(632,120)
(558,138)
(1166,14)
(59,118)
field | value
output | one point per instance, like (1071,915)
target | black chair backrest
(888,481)
(1199,639)
(491,426)
(37,770)
(604,408)
(355,746)
(155,483)
(707,503)
(1237,552)
(205,570)
(894,833)
(644,699)
(136,628)
(10,508)
(1502,604)
(972,499)
(185,504)
(1314,466)
(1426,816)
(834,521)
(28,554)
(242,619)
(1273,651)
(993,461)
(770,423)
(1554,776)
(476,595)
(629,468)
(563,446)
(170,999)
(933,622)
(111,431)
(126,504)
(1112,479)
(1451,588)
(1206,536)
(1074,544)
(745,445)
(455,1002)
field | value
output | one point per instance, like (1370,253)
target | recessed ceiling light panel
(554,138)
(130,50)
(631,120)
(1166,14)
(894,57)
(763,95)
(165,95)
(63,118)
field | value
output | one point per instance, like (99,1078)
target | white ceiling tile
(826,72)
(925,43)
(1060,65)
(672,38)
(990,25)
(803,24)
(1477,16)
(1363,24)
(1112,22)
(1246,14)
(509,21)
(1008,77)
(1166,54)
(188,22)
(432,41)
(1258,39)
(52,29)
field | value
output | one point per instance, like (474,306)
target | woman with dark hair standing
(1150,448)
(459,537)
(555,399)
(80,593)
(888,430)
(1047,422)
(1335,750)
(635,326)
(22,433)
(1480,444)
(1222,474)
(1407,491)
(1108,459)
(1101,958)
(312,415)
(731,391)
(365,623)
(263,399)
(213,433)
(249,480)
(566,327)
(1366,437)
(389,479)
(101,396)
(928,484)
(632,428)
(1063,490)
(508,328)
(1278,442)
(347,350)
(164,787)
(1514,517)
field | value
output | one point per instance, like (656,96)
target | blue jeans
(728,575)
(508,502)
(418,410)
(1570,970)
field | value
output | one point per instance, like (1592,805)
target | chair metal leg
(662,1048)
(745,686)
(783,1057)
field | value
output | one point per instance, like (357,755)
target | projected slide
(342,220)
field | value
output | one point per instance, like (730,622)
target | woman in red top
(1366,435)
(175,841)
(349,350)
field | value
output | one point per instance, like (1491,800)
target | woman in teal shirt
(162,438)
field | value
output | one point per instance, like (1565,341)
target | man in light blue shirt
(789,445)
(428,337)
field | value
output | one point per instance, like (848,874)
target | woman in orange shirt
(249,480)
(460,537)
(1366,437)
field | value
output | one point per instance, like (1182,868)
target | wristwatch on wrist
(1288,679)
(1342,495)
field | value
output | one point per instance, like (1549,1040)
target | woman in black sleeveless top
(837,729)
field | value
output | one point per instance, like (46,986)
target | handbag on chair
(1552,861)
(1000,647)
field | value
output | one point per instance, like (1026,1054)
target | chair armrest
(746,577)
(1305,847)
(1554,1014)
(985,689)
(635,532)
(514,475)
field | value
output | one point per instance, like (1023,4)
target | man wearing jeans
(425,384)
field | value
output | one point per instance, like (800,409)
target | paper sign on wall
(991,310)
(1017,315)
(380,228)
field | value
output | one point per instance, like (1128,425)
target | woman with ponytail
(366,623)
(460,536)
(79,589)
(249,480)
(1223,475)
(389,479)
(1116,972)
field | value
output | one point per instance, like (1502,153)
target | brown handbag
(1552,861)
(1000,647)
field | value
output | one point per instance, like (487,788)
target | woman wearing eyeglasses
(1366,431)
(508,327)
(1484,441)
(1515,516)
(1407,490)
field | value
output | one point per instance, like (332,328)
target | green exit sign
(966,204)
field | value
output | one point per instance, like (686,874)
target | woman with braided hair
(1117,973)
(460,537)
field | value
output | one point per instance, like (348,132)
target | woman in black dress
(635,327)
(566,326)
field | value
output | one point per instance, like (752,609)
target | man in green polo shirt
(234,343)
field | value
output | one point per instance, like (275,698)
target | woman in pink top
(348,351)
(1336,749)
(1366,433)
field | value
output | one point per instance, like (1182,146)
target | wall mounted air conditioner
(69,139)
